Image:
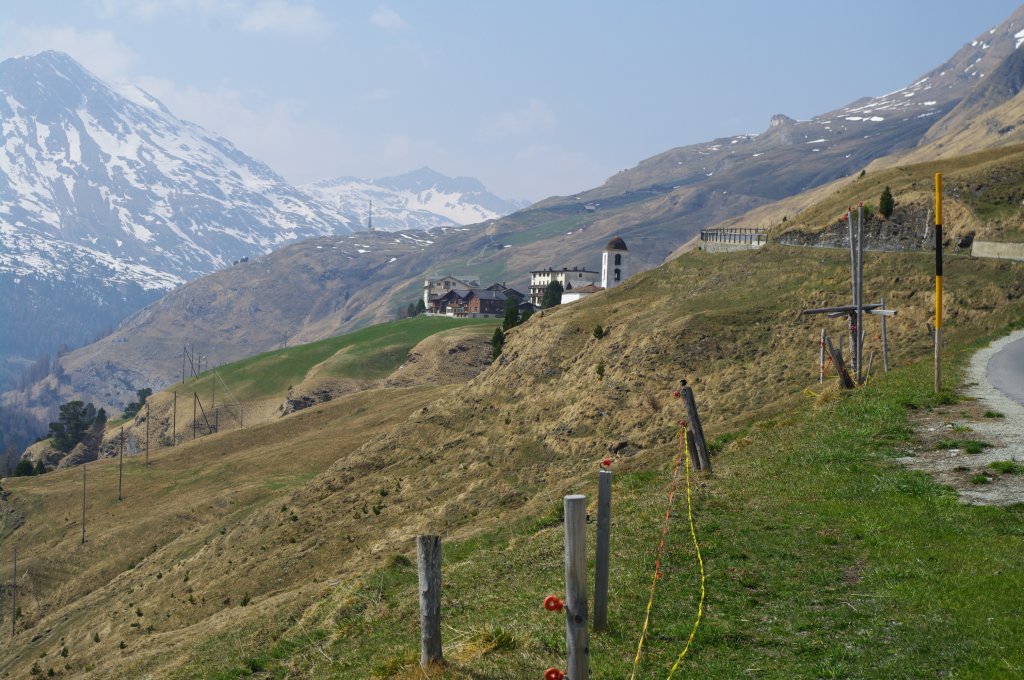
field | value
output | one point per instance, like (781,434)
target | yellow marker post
(938,281)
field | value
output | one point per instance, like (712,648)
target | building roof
(616,244)
(488,294)
(551,270)
(590,288)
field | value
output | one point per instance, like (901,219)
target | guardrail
(753,236)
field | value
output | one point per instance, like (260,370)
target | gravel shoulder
(975,418)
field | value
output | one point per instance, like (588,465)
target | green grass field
(367,354)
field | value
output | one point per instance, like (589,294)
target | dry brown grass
(364,474)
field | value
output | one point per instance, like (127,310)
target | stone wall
(721,247)
(1001,251)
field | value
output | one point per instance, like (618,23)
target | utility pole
(859,335)
(120,464)
(14,593)
(938,281)
(83,503)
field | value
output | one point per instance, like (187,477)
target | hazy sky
(534,98)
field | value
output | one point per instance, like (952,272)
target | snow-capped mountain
(421,199)
(107,200)
(110,171)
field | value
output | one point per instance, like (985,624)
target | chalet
(460,300)
(439,287)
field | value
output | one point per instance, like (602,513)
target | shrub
(497,342)
(886,203)
(598,332)
(600,370)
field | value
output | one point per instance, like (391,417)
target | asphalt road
(1006,371)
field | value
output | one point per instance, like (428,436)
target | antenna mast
(369,225)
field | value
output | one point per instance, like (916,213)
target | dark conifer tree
(886,203)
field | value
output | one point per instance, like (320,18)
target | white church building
(578,283)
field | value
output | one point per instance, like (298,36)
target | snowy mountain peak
(420,199)
(104,191)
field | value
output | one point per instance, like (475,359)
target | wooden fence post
(692,447)
(885,342)
(698,431)
(837,359)
(821,356)
(604,530)
(147,435)
(576,636)
(428,561)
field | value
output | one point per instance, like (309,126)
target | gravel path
(987,373)
(989,367)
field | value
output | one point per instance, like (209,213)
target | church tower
(613,263)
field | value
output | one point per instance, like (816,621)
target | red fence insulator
(553,603)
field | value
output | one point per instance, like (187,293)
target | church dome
(616,244)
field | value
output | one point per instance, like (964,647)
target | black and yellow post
(938,281)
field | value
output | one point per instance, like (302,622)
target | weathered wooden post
(147,435)
(844,376)
(698,431)
(604,531)
(885,341)
(692,448)
(174,426)
(821,357)
(576,636)
(428,561)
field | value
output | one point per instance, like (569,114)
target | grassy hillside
(283,549)
(983,193)
(370,353)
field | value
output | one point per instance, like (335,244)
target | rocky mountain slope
(656,206)
(421,199)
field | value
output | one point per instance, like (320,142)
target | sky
(532,97)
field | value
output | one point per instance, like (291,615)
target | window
(618,260)
(618,274)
